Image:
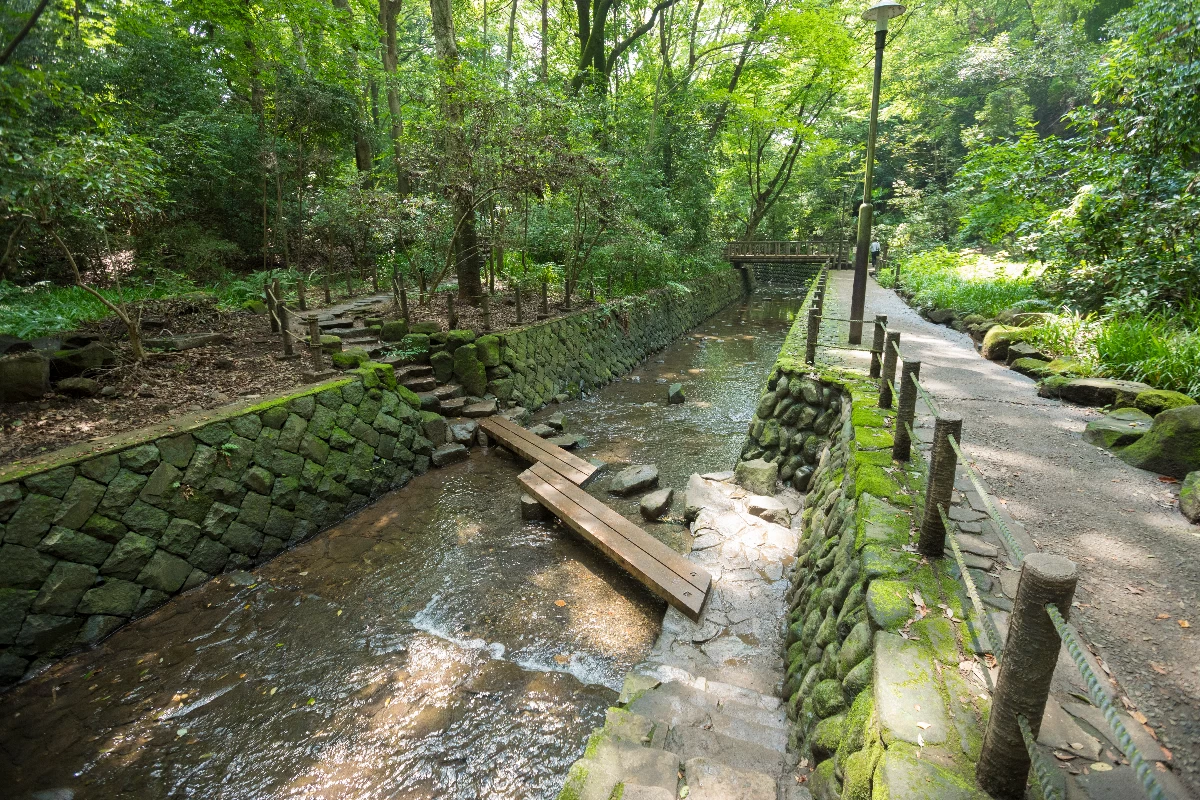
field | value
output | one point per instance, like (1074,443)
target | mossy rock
(823,783)
(889,604)
(488,350)
(998,339)
(394,331)
(1189,497)
(353,358)
(443,366)
(1156,401)
(424,328)
(826,737)
(1171,447)
(1092,391)
(1121,428)
(329,343)
(1033,367)
(457,338)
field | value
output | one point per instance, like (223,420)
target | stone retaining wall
(572,354)
(876,635)
(101,532)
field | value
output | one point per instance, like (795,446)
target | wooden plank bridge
(800,252)
(555,479)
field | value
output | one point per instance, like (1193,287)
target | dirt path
(1139,557)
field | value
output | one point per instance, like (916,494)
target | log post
(314,343)
(1030,654)
(877,344)
(285,331)
(269,300)
(940,487)
(814,327)
(301,301)
(890,343)
(906,410)
(518,291)
(404,303)
(328,291)
(395,291)
(545,298)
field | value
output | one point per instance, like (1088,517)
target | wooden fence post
(877,344)
(314,343)
(451,314)
(1030,654)
(518,292)
(888,378)
(940,486)
(328,291)
(269,299)
(814,327)
(301,302)
(286,332)
(545,298)
(906,410)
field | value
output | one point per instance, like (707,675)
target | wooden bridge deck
(664,571)
(555,480)
(532,447)
(799,252)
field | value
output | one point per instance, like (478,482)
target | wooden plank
(689,571)
(534,448)
(660,580)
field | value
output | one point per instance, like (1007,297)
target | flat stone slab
(1118,429)
(543,431)
(482,409)
(566,441)
(768,508)
(908,778)
(656,504)
(711,780)
(906,693)
(634,479)
(449,454)
(1093,391)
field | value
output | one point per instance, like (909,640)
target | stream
(431,646)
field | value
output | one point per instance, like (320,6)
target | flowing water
(432,646)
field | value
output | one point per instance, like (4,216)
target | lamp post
(880,12)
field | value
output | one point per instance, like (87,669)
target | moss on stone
(873,437)
(889,603)
(872,479)
(1157,401)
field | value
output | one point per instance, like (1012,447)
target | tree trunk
(545,56)
(132,324)
(388,11)
(465,244)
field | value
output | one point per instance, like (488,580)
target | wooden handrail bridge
(812,251)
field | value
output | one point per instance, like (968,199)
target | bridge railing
(781,248)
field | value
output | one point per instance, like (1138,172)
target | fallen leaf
(1139,716)
(1135,589)
(312,701)
(1061,756)
(1076,746)
(923,725)
(181,732)
(560,603)
(920,741)
(1167,479)
(1159,668)
(339,612)
(1183,623)
(1100,766)
(1163,616)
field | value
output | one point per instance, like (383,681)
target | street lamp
(880,13)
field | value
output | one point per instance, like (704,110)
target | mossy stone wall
(95,535)
(583,351)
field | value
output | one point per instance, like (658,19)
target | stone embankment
(102,532)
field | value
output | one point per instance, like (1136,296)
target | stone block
(10,499)
(633,479)
(901,775)
(258,480)
(97,628)
(14,605)
(75,546)
(142,459)
(292,432)
(151,599)
(145,518)
(905,682)
(303,406)
(449,454)
(214,435)
(254,511)
(162,485)
(209,555)
(757,476)
(280,524)
(247,426)
(273,417)
(194,579)
(243,539)
(103,528)
(54,482)
(656,505)
(101,469)
(114,597)
(48,634)
(80,500)
(128,557)
(1171,447)
(164,572)
(122,490)
(31,520)
(177,450)
(180,537)
(24,376)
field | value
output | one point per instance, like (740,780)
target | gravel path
(1139,557)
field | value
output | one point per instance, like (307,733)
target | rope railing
(1041,769)
(1141,767)
(992,511)
(995,641)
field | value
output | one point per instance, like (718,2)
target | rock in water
(566,441)
(484,408)
(768,508)
(556,421)
(531,509)
(757,476)
(675,394)
(1172,446)
(1118,429)
(634,479)
(449,454)
(1189,496)
(543,431)
(656,504)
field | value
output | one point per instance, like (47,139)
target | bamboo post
(1030,655)
(888,378)
(301,301)
(814,326)
(877,344)
(906,410)
(942,463)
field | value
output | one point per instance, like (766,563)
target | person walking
(875,248)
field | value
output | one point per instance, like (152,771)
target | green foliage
(41,309)
(942,278)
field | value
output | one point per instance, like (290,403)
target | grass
(41,309)
(967,282)
(1161,349)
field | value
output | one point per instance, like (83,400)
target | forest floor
(167,384)
(1138,556)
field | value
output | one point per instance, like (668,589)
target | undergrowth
(965,282)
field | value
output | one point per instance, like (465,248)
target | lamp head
(882,11)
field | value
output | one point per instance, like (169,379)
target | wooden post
(404,303)
(938,490)
(301,302)
(485,307)
(314,343)
(877,344)
(888,378)
(395,290)
(451,314)
(328,292)
(906,410)
(269,299)
(518,292)
(349,284)
(285,331)
(277,294)
(814,326)
(1030,655)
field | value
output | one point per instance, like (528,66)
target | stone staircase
(702,713)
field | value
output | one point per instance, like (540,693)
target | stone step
(427,384)
(359,335)
(429,401)
(453,406)
(616,761)
(712,780)
(713,700)
(679,707)
(449,391)
(413,371)
(726,692)
(688,743)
